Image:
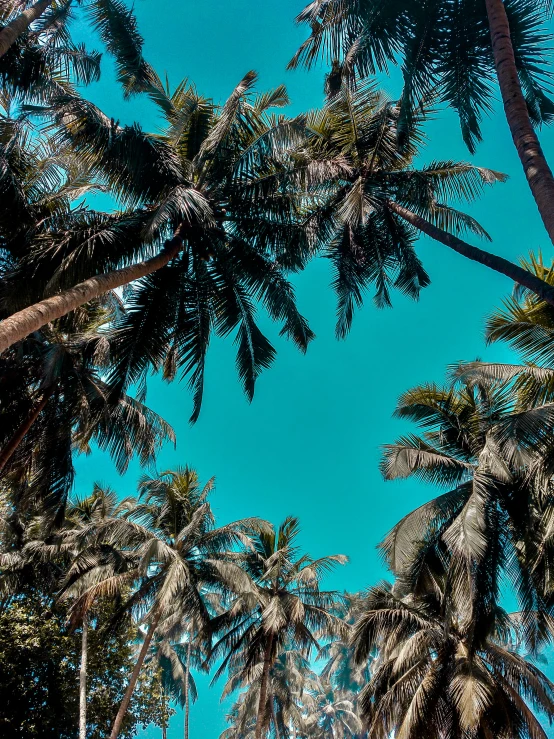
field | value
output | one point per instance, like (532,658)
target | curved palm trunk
(83,683)
(538,173)
(498,264)
(187,697)
(13,30)
(30,319)
(262,704)
(19,435)
(134,677)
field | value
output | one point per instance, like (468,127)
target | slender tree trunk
(274,717)
(164,725)
(187,696)
(262,705)
(498,264)
(83,682)
(17,438)
(24,322)
(13,30)
(538,173)
(134,677)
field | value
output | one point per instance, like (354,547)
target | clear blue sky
(309,443)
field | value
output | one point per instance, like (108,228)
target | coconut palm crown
(368,200)
(283,609)
(493,521)
(207,187)
(435,679)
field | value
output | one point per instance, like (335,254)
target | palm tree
(453,50)
(38,58)
(180,558)
(282,608)
(55,400)
(368,202)
(331,713)
(290,679)
(339,669)
(196,188)
(436,677)
(93,511)
(175,661)
(493,520)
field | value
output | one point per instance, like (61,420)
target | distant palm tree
(368,199)
(436,678)
(526,322)
(283,608)
(173,663)
(339,668)
(41,59)
(90,512)
(205,198)
(331,713)
(180,557)
(290,679)
(452,51)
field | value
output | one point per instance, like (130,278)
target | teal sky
(309,443)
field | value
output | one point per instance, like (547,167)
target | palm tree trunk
(164,724)
(134,677)
(538,173)
(498,264)
(187,697)
(17,438)
(262,705)
(13,30)
(21,324)
(274,716)
(83,682)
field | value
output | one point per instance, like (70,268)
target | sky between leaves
(309,443)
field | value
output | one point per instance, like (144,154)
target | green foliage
(39,672)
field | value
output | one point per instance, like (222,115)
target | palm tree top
(359,169)
(210,184)
(445,49)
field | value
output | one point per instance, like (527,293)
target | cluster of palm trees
(434,654)
(212,216)
(239,595)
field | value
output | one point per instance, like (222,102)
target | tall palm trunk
(262,704)
(498,264)
(164,724)
(538,173)
(21,324)
(187,696)
(275,726)
(13,30)
(83,682)
(134,677)
(18,436)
